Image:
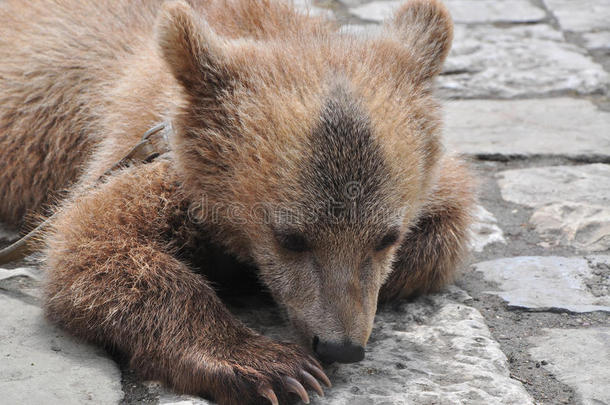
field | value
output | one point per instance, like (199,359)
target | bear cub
(311,155)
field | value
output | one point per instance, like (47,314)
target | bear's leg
(113,280)
(430,253)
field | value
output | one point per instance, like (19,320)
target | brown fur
(270,109)
(438,241)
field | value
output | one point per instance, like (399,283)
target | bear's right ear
(191,49)
(425,28)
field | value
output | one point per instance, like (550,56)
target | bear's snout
(344,352)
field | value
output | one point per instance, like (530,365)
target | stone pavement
(526,89)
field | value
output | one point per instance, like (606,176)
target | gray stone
(7,235)
(590,18)
(29,272)
(375,11)
(309,7)
(551,127)
(434,350)
(597,40)
(182,400)
(587,183)
(354,3)
(571,203)
(167,397)
(574,284)
(525,60)
(41,364)
(583,226)
(581,15)
(485,230)
(23,281)
(462,11)
(505,62)
(493,11)
(579,358)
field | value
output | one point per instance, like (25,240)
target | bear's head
(310,155)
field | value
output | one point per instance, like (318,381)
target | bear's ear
(426,29)
(191,49)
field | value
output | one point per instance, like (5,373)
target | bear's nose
(345,352)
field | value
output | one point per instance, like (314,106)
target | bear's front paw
(276,371)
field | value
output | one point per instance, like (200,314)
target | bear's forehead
(345,175)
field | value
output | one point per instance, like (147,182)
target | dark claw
(268,393)
(320,375)
(312,382)
(296,387)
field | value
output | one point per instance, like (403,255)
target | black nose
(345,352)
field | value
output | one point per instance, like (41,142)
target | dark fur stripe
(346,171)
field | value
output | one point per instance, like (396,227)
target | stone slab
(376,11)
(462,11)
(24,282)
(581,15)
(40,364)
(353,3)
(485,230)
(585,183)
(6,274)
(169,398)
(597,40)
(571,203)
(309,7)
(579,358)
(525,128)
(574,284)
(522,60)
(7,235)
(434,350)
(583,226)
(517,61)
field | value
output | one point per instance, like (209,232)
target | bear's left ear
(425,28)
(191,49)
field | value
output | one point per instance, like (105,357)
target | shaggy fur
(310,155)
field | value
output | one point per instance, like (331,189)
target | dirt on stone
(511,326)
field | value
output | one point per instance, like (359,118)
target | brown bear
(310,156)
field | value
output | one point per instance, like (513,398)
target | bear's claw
(268,393)
(296,387)
(312,382)
(316,369)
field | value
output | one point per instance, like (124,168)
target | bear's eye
(388,240)
(292,241)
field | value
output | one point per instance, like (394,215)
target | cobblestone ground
(526,89)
